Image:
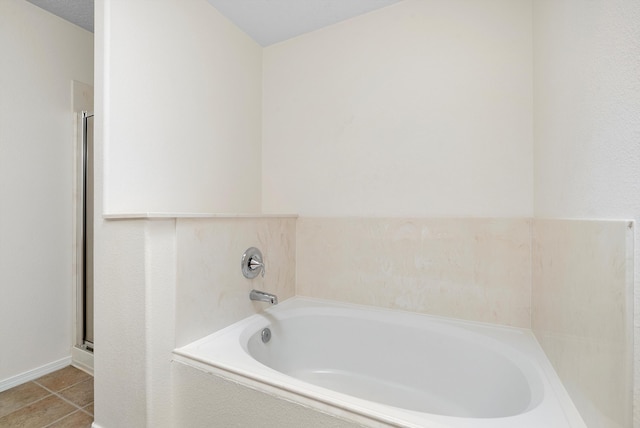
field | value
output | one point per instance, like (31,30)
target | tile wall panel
(582,312)
(211,291)
(470,268)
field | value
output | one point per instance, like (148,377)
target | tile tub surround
(582,309)
(211,291)
(60,399)
(469,268)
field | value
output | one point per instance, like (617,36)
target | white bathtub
(396,368)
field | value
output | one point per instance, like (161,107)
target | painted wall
(184,85)
(177,129)
(134,265)
(587,109)
(121,360)
(423,108)
(41,55)
(587,117)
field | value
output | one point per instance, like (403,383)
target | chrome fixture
(266,335)
(252,263)
(261,296)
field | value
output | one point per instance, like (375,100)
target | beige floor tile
(80,394)
(89,408)
(20,396)
(78,419)
(63,378)
(39,414)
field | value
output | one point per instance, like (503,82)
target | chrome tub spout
(261,296)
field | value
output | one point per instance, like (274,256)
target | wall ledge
(168,215)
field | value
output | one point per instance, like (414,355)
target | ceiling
(266,21)
(79,12)
(272,21)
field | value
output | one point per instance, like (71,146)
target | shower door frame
(80,231)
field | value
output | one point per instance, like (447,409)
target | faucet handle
(254,264)
(251,263)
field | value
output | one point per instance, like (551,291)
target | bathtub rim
(354,408)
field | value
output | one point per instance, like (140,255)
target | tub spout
(261,296)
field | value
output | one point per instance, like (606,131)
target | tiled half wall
(477,269)
(569,280)
(211,292)
(582,313)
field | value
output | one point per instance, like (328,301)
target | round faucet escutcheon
(252,263)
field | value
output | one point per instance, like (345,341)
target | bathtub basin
(396,368)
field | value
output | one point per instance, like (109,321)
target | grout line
(64,399)
(58,420)
(76,408)
(75,384)
(86,411)
(27,405)
(66,387)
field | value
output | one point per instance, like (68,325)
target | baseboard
(34,374)
(82,359)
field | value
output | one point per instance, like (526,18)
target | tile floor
(62,399)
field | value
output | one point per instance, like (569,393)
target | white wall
(587,117)
(423,108)
(177,129)
(184,86)
(587,108)
(41,55)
